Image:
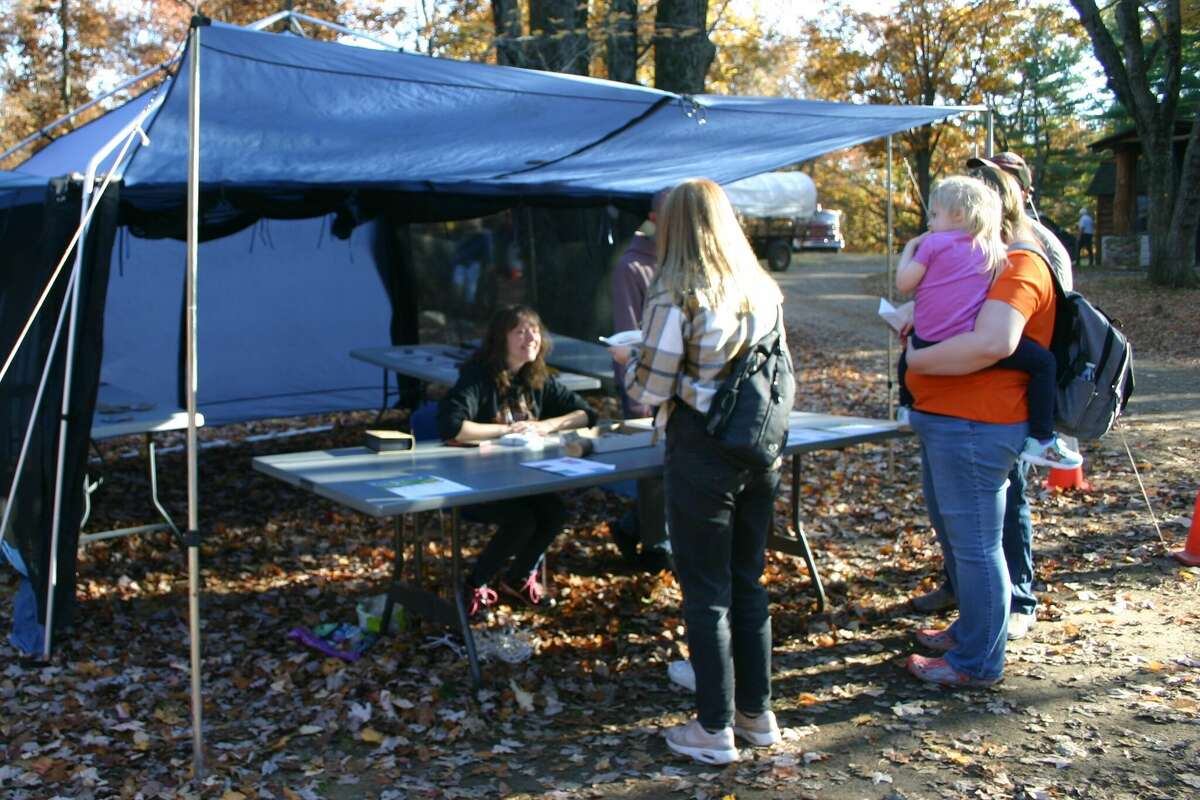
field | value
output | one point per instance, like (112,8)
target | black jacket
(476,398)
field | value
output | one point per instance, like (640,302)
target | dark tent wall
(32,239)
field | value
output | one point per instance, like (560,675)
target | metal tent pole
(989,145)
(72,303)
(86,208)
(44,132)
(891,279)
(193,537)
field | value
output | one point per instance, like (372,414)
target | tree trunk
(1125,63)
(64,21)
(1186,221)
(506,21)
(559,28)
(682,50)
(622,41)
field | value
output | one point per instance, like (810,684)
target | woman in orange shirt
(972,420)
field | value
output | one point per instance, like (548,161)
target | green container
(370,615)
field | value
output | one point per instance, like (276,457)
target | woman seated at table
(505,388)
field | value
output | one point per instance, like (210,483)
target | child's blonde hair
(701,248)
(982,215)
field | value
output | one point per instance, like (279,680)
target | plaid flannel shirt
(687,349)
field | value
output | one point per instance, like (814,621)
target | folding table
(122,413)
(367,481)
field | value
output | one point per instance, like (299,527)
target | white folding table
(122,413)
(365,480)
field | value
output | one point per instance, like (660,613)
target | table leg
(397,566)
(419,549)
(797,544)
(383,402)
(459,603)
(166,525)
(153,462)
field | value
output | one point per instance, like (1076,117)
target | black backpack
(748,418)
(1095,365)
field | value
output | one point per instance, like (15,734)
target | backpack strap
(1060,294)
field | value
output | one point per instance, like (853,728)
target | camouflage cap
(1011,163)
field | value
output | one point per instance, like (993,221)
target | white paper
(570,467)
(622,338)
(418,487)
(895,316)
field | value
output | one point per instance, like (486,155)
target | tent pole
(45,130)
(891,280)
(990,143)
(193,538)
(86,208)
(64,424)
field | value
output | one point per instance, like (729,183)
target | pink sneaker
(481,598)
(940,640)
(531,592)
(936,670)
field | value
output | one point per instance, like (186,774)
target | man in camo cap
(1013,164)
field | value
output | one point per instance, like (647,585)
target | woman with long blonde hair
(709,302)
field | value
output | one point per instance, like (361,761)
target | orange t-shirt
(996,395)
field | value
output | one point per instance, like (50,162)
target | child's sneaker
(1054,454)
(479,597)
(531,592)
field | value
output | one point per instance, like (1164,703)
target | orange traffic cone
(1067,479)
(1190,554)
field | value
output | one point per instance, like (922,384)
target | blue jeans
(1017,542)
(718,516)
(965,468)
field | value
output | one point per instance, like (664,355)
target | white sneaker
(682,674)
(1054,454)
(760,731)
(707,748)
(1019,624)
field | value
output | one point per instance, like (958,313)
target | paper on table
(895,316)
(417,487)
(622,338)
(570,466)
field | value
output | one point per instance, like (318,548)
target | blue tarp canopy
(282,113)
(310,149)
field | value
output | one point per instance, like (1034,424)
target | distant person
(950,269)
(1052,248)
(1087,229)
(710,299)
(505,388)
(473,253)
(646,521)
